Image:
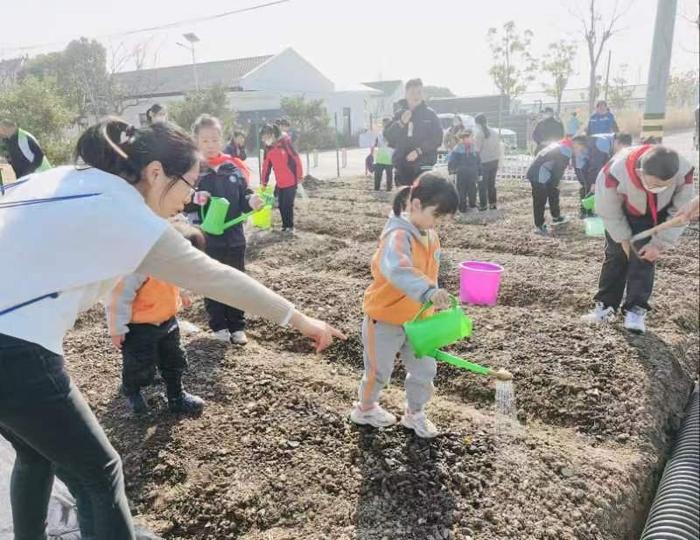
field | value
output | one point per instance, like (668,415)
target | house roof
(177,80)
(386,87)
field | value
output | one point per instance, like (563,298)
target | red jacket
(286,163)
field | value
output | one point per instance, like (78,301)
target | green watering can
(426,336)
(588,203)
(215,220)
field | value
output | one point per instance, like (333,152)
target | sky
(441,41)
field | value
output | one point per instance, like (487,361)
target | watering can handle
(428,305)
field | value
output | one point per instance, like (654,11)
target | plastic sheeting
(62,517)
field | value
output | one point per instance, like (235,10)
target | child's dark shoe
(137,403)
(186,404)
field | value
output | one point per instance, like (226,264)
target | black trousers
(405,174)
(221,316)
(487,184)
(541,194)
(466,189)
(147,347)
(54,432)
(286,198)
(620,273)
(378,171)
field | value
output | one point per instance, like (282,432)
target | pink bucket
(479,282)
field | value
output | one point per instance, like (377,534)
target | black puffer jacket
(422,133)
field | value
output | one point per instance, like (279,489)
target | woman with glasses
(70,234)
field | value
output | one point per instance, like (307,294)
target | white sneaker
(375,417)
(599,315)
(634,319)
(223,335)
(420,424)
(239,338)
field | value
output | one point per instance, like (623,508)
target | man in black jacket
(21,149)
(415,135)
(547,130)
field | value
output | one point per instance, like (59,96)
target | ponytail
(431,190)
(483,123)
(401,200)
(114,146)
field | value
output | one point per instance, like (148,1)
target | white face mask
(655,190)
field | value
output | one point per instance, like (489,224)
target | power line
(155,28)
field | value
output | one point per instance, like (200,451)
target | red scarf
(631,166)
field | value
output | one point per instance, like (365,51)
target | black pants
(620,273)
(286,198)
(221,316)
(147,346)
(378,171)
(466,188)
(53,431)
(405,174)
(541,193)
(487,184)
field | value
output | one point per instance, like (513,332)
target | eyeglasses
(193,187)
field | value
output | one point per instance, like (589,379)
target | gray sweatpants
(384,344)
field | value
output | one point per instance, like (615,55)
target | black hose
(675,512)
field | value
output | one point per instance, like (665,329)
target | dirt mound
(273,456)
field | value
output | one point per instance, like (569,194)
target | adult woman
(488,144)
(71,232)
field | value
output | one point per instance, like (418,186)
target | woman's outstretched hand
(320,332)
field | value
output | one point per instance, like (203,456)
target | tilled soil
(274,457)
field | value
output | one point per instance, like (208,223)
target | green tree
(559,65)
(213,101)
(620,92)
(38,106)
(311,120)
(513,65)
(80,73)
(682,88)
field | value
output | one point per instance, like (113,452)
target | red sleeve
(689,176)
(300,168)
(266,169)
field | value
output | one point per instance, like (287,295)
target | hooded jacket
(404,271)
(24,154)
(619,193)
(599,150)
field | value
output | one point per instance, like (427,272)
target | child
(383,160)
(639,188)
(544,174)
(281,157)
(141,316)
(221,177)
(236,146)
(590,155)
(405,272)
(465,162)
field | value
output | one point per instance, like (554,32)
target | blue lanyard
(28,302)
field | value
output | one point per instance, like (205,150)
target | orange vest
(384,302)
(155,302)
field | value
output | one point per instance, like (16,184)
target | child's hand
(650,253)
(118,341)
(441,299)
(186,300)
(255,202)
(201,198)
(412,156)
(322,333)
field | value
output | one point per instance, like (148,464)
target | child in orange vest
(405,273)
(141,316)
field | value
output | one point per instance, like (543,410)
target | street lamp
(192,38)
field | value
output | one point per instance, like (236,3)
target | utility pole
(192,38)
(659,68)
(607,76)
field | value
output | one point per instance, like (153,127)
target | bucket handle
(428,305)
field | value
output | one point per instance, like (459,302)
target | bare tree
(597,31)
